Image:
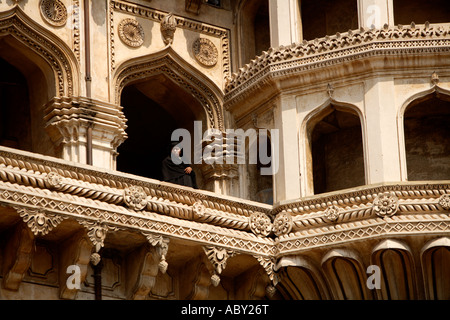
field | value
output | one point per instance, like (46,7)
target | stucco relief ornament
(205,52)
(135,197)
(131,32)
(282,223)
(444,201)
(168,28)
(385,204)
(38,221)
(198,209)
(332,212)
(53,180)
(54,12)
(260,224)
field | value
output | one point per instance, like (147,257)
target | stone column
(383,154)
(78,126)
(375,13)
(287,177)
(285,22)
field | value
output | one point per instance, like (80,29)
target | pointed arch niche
(36,67)
(426,130)
(334,148)
(160,93)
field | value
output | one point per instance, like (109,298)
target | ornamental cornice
(45,191)
(285,61)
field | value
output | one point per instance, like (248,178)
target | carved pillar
(79,126)
(287,177)
(17,256)
(285,22)
(375,13)
(221,178)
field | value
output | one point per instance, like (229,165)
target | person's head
(176,151)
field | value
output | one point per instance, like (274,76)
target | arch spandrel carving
(170,64)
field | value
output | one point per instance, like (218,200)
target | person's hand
(188,170)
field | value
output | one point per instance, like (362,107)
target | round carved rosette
(131,33)
(444,201)
(205,52)
(260,224)
(332,212)
(53,180)
(385,204)
(54,12)
(198,209)
(282,224)
(135,197)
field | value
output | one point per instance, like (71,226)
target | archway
(254,29)
(154,108)
(426,124)
(419,12)
(160,93)
(335,154)
(36,67)
(323,17)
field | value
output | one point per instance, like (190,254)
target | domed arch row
(390,269)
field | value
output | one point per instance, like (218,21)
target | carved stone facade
(363,170)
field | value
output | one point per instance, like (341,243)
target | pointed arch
(43,48)
(435,92)
(308,134)
(171,65)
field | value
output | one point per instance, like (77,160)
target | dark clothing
(174,173)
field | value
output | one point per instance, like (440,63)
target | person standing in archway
(178,172)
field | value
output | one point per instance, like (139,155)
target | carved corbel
(143,268)
(268,263)
(161,245)
(17,256)
(218,257)
(97,231)
(75,251)
(196,279)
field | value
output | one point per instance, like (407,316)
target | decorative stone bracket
(218,257)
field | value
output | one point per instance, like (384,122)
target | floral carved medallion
(205,52)
(54,12)
(131,33)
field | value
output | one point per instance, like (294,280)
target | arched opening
(324,17)
(427,136)
(154,108)
(336,156)
(254,30)
(26,84)
(417,11)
